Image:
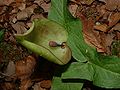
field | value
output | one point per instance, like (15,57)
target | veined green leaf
(104,71)
(58,84)
(38,39)
(59,13)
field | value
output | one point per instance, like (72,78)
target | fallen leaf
(26,13)
(39,2)
(19,27)
(37,87)
(107,40)
(6,2)
(7,86)
(118,35)
(24,68)
(101,27)
(113,19)
(112,4)
(116,27)
(3,9)
(37,16)
(91,36)
(25,84)
(45,84)
(46,7)
(10,69)
(72,8)
(88,2)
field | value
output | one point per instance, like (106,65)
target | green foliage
(1,35)
(69,85)
(103,71)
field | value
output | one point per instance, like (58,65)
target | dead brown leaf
(25,84)
(113,19)
(46,7)
(88,2)
(116,27)
(24,68)
(37,16)
(101,27)
(19,27)
(112,4)
(6,2)
(118,35)
(26,13)
(10,69)
(72,8)
(8,86)
(45,84)
(38,87)
(91,36)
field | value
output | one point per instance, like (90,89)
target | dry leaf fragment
(113,18)
(116,27)
(25,84)
(24,68)
(73,8)
(37,86)
(91,36)
(88,2)
(112,4)
(26,13)
(7,86)
(101,27)
(46,7)
(45,84)
(10,69)
(19,27)
(6,2)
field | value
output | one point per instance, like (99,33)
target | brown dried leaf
(19,27)
(112,4)
(73,8)
(26,13)
(116,27)
(37,87)
(113,19)
(25,84)
(46,7)
(24,68)
(91,37)
(6,2)
(45,84)
(101,27)
(10,69)
(8,86)
(37,16)
(88,2)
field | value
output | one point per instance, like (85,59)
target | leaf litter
(101,29)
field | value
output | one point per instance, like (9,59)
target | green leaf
(58,84)
(59,13)
(1,35)
(103,74)
(38,39)
(104,71)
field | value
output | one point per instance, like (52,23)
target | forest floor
(21,69)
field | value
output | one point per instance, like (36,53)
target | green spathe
(37,39)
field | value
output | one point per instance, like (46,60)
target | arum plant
(48,39)
(51,38)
